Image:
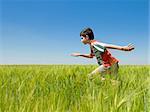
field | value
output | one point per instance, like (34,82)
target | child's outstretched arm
(90,55)
(83,55)
(129,47)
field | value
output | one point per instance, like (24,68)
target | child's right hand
(75,54)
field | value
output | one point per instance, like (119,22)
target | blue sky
(47,32)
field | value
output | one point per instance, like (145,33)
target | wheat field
(66,88)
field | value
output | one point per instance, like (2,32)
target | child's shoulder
(94,42)
(97,43)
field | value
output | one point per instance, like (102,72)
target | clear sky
(47,31)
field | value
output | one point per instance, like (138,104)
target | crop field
(66,88)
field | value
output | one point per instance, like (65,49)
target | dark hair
(87,31)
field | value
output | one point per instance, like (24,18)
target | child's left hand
(129,47)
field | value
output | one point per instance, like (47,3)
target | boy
(107,63)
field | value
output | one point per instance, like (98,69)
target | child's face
(84,40)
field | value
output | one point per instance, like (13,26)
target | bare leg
(101,69)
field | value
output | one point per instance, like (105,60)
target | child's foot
(102,78)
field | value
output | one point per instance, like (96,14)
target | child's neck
(90,41)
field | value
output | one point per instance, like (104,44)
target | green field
(66,88)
